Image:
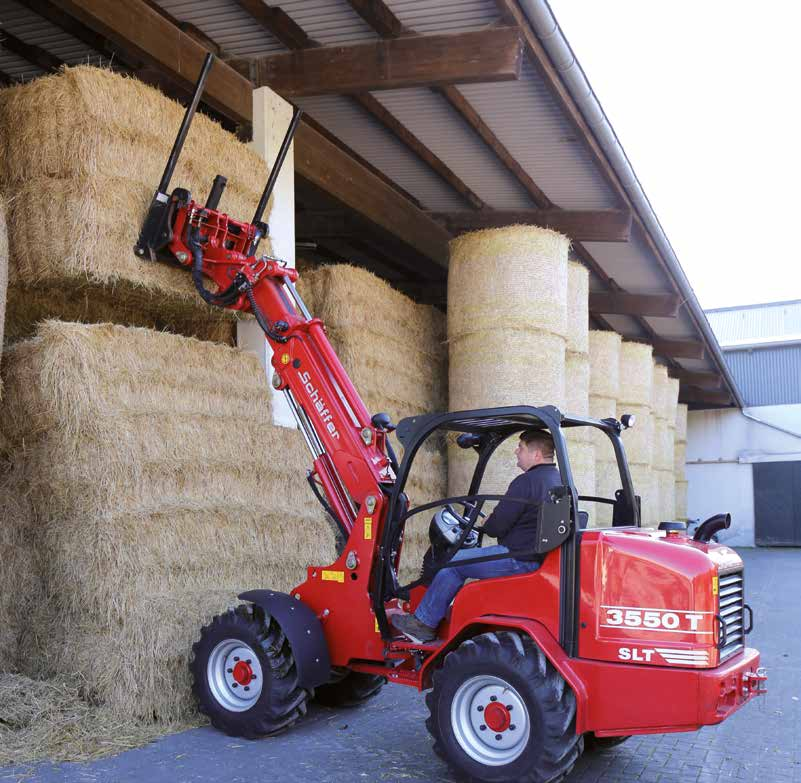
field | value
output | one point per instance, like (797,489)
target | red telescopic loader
(621,631)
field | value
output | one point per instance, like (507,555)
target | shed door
(777,503)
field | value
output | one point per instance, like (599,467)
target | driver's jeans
(448,581)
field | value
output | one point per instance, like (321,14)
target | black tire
(593,744)
(546,709)
(281,701)
(353,689)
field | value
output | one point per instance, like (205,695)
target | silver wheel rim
(473,719)
(234,675)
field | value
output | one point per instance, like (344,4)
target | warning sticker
(285,358)
(714,585)
(333,576)
(368,528)
(377,629)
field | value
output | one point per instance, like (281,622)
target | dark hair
(541,439)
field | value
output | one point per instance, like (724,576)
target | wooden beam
(605,225)
(147,35)
(679,349)
(39,57)
(293,36)
(400,131)
(622,303)
(479,56)
(704,380)
(142,30)
(483,131)
(690,395)
(379,16)
(279,23)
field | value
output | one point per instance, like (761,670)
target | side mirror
(553,524)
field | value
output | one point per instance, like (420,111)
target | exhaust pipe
(711,526)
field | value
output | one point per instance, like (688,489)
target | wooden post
(271,118)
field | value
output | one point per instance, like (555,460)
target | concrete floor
(386,740)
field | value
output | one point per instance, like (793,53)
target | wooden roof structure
(422,120)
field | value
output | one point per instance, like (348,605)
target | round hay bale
(582,464)
(578,316)
(607,482)
(639,440)
(604,363)
(645,486)
(601,408)
(507,367)
(680,460)
(659,391)
(681,423)
(671,401)
(516,274)
(663,445)
(499,473)
(681,500)
(577,385)
(667,495)
(636,374)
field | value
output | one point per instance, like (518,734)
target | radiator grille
(730,608)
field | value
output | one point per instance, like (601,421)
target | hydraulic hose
(222,299)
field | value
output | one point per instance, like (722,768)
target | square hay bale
(83,152)
(149,482)
(20,585)
(394,351)
(680,460)
(681,500)
(3,261)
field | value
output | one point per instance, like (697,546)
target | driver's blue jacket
(515,524)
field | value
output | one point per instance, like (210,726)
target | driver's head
(535,448)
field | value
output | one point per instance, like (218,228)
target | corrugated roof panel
(330,22)
(445,16)
(627,263)
(525,117)
(768,376)
(446,134)
(372,141)
(36,30)
(227,24)
(772,321)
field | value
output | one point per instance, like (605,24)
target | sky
(704,98)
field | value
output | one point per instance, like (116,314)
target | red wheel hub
(243,674)
(497,717)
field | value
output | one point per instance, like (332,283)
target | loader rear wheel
(244,675)
(501,712)
(352,689)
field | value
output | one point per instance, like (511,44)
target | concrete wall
(722,446)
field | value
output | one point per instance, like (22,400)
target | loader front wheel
(501,712)
(350,690)
(244,675)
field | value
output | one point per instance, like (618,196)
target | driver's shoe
(411,627)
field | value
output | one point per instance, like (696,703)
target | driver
(513,524)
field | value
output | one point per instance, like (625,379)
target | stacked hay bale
(664,425)
(577,378)
(634,396)
(604,388)
(507,330)
(149,487)
(84,152)
(680,461)
(3,260)
(394,351)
